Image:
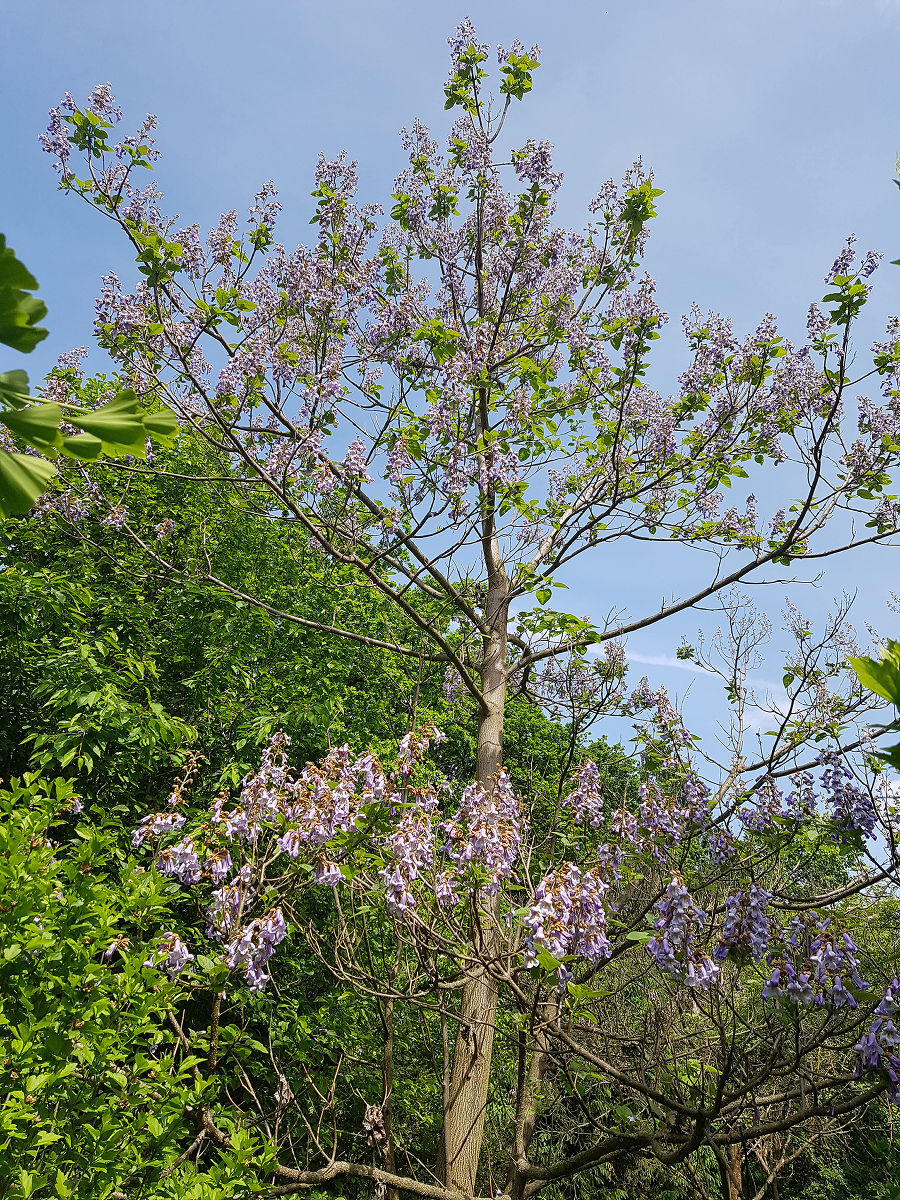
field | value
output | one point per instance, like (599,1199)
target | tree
(453,404)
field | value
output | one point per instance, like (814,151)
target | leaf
(37,424)
(118,423)
(23,478)
(19,312)
(14,388)
(83,446)
(161,424)
(882,675)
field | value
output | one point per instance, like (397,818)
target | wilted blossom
(568,915)
(171,955)
(674,945)
(164,528)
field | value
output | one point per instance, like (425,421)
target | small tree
(453,402)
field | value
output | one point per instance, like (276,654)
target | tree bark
(730,1170)
(526,1108)
(470,1075)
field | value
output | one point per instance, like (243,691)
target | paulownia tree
(452,400)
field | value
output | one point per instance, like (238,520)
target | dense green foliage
(114,672)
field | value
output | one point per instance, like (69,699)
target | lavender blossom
(171,955)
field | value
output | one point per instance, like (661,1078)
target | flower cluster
(155,825)
(280,813)
(747,927)
(409,849)
(851,808)
(171,955)
(814,966)
(674,946)
(486,831)
(252,947)
(568,915)
(586,799)
(879,1047)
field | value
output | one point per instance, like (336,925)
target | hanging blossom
(486,830)
(409,849)
(674,945)
(568,915)
(171,955)
(851,807)
(814,967)
(769,804)
(586,800)
(747,927)
(879,1047)
(252,947)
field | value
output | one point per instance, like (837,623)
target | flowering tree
(452,401)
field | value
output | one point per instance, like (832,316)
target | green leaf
(882,675)
(19,312)
(161,424)
(118,423)
(22,479)
(37,424)
(14,388)
(83,446)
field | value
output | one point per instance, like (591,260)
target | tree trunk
(470,1075)
(526,1107)
(731,1173)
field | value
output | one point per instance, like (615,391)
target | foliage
(94,1092)
(882,676)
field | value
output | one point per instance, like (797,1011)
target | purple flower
(747,925)
(486,831)
(252,947)
(102,103)
(586,800)
(568,915)
(155,825)
(674,946)
(171,955)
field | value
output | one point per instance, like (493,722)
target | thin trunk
(387,1073)
(526,1106)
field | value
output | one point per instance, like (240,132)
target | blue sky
(773,128)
